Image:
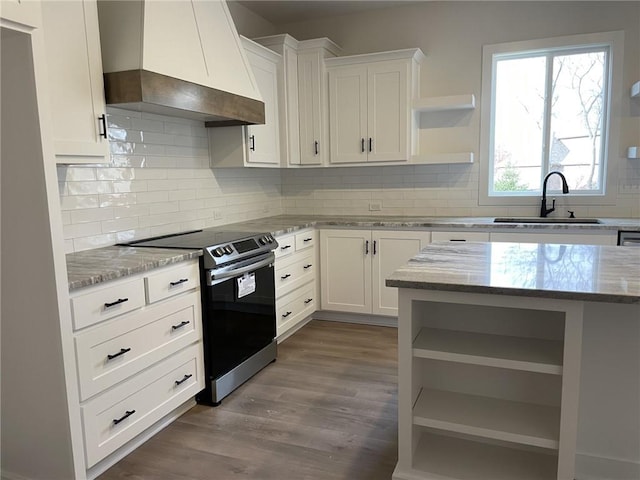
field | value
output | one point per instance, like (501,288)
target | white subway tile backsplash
(91,215)
(117,199)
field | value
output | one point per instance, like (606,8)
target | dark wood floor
(325,410)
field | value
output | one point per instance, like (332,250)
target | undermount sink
(544,220)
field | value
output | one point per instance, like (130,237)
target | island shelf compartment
(486,380)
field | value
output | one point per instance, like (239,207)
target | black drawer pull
(284,277)
(457,240)
(285,315)
(307,266)
(308,300)
(362,144)
(308,239)
(253,143)
(103,124)
(182,280)
(125,416)
(285,247)
(121,352)
(180,325)
(316,147)
(117,302)
(184,379)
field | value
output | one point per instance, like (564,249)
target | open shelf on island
(444,457)
(518,353)
(442,158)
(446,103)
(488,417)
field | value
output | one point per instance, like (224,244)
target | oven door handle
(213,276)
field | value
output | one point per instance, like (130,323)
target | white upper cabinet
(289,117)
(370,99)
(23,13)
(252,145)
(312,98)
(74,69)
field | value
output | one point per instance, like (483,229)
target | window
(546,107)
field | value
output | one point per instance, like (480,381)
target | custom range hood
(181,58)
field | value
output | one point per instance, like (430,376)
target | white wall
(452,34)
(159,182)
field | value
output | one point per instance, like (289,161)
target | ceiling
(290,11)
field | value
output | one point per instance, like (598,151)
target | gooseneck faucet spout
(544,211)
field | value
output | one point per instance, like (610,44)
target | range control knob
(263,240)
(218,252)
(228,249)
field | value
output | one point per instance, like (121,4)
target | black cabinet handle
(126,415)
(184,379)
(308,300)
(370,144)
(103,124)
(284,277)
(457,240)
(366,247)
(316,147)
(180,325)
(253,143)
(121,352)
(362,144)
(307,266)
(375,242)
(285,247)
(117,302)
(285,315)
(307,239)
(182,280)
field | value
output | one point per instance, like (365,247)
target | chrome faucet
(544,211)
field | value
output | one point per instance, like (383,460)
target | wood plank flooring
(325,410)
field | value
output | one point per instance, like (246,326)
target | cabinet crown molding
(408,53)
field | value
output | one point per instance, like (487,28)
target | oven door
(239,314)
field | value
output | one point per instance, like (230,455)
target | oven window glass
(245,245)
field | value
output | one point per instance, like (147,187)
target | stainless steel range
(238,304)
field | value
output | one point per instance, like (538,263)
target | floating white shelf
(495,418)
(441,104)
(635,90)
(443,158)
(633,152)
(517,353)
(438,456)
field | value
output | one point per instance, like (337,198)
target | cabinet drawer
(115,417)
(118,349)
(172,281)
(295,307)
(286,246)
(107,302)
(459,236)
(292,274)
(305,240)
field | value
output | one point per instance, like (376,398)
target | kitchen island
(492,382)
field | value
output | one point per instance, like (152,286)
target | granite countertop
(573,272)
(90,267)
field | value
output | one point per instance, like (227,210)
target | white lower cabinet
(296,273)
(355,264)
(142,359)
(488,386)
(459,236)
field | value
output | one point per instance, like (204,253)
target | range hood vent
(181,58)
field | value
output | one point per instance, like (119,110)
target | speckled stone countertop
(573,272)
(90,267)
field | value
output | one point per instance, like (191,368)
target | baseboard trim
(593,467)
(365,319)
(294,329)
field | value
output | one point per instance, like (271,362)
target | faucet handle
(571,214)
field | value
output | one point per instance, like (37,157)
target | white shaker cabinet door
(74,69)
(312,135)
(346,270)
(391,250)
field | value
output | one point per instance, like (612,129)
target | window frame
(614,42)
